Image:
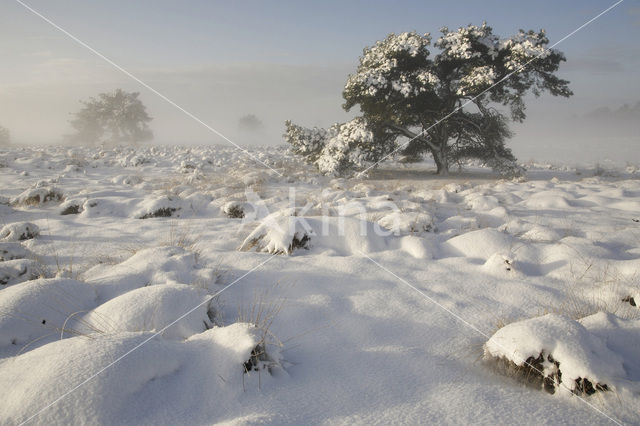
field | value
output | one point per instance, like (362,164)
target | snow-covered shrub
(19,231)
(187,166)
(282,233)
(160,212)
(158,207)
(134,160)
(279,234)
(37,196)
(554,351)
(233,210)
(94,207)
(71,207)
(407,222)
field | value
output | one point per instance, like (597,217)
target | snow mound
(558,351)
(153,308)
(19,270)
(34,309)
(481,202)
(152,266)
(73,206)
(458,224)
(158,207)
(12,250)
(407,222)
(135,160)
(502,265)
(19,231)
(282,234)
(96,207)
(129,180)
(481,244)
(542,233)
(416,247)
(620,335)
(37,196)
(548,200)
(147,386)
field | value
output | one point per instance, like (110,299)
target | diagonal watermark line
(147,86)
(503,79)
(477,330)
(120,358)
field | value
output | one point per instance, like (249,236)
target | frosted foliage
(379,68)
(382,72)
(458,44)
(524,48)
(479,78)
(428,78)
(304,141)
(519,49)
(346,147)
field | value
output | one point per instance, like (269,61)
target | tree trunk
(436,143)
(441,160)
(442,163)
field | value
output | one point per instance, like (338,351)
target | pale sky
(290,59)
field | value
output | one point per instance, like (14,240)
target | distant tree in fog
(625,112)
(111,118)
(250,123)
(5,136)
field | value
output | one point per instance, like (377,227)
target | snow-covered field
(400,298)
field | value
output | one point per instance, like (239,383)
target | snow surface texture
(352,342)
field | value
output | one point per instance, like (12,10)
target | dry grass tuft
(262,313)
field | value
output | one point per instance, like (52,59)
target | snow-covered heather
(102,248)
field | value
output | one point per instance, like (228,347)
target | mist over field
(220,72)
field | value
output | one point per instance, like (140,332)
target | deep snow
(128,240)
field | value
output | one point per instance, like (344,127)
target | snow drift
(151,379)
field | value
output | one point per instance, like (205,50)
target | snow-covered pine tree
(398,86)
(404,93)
